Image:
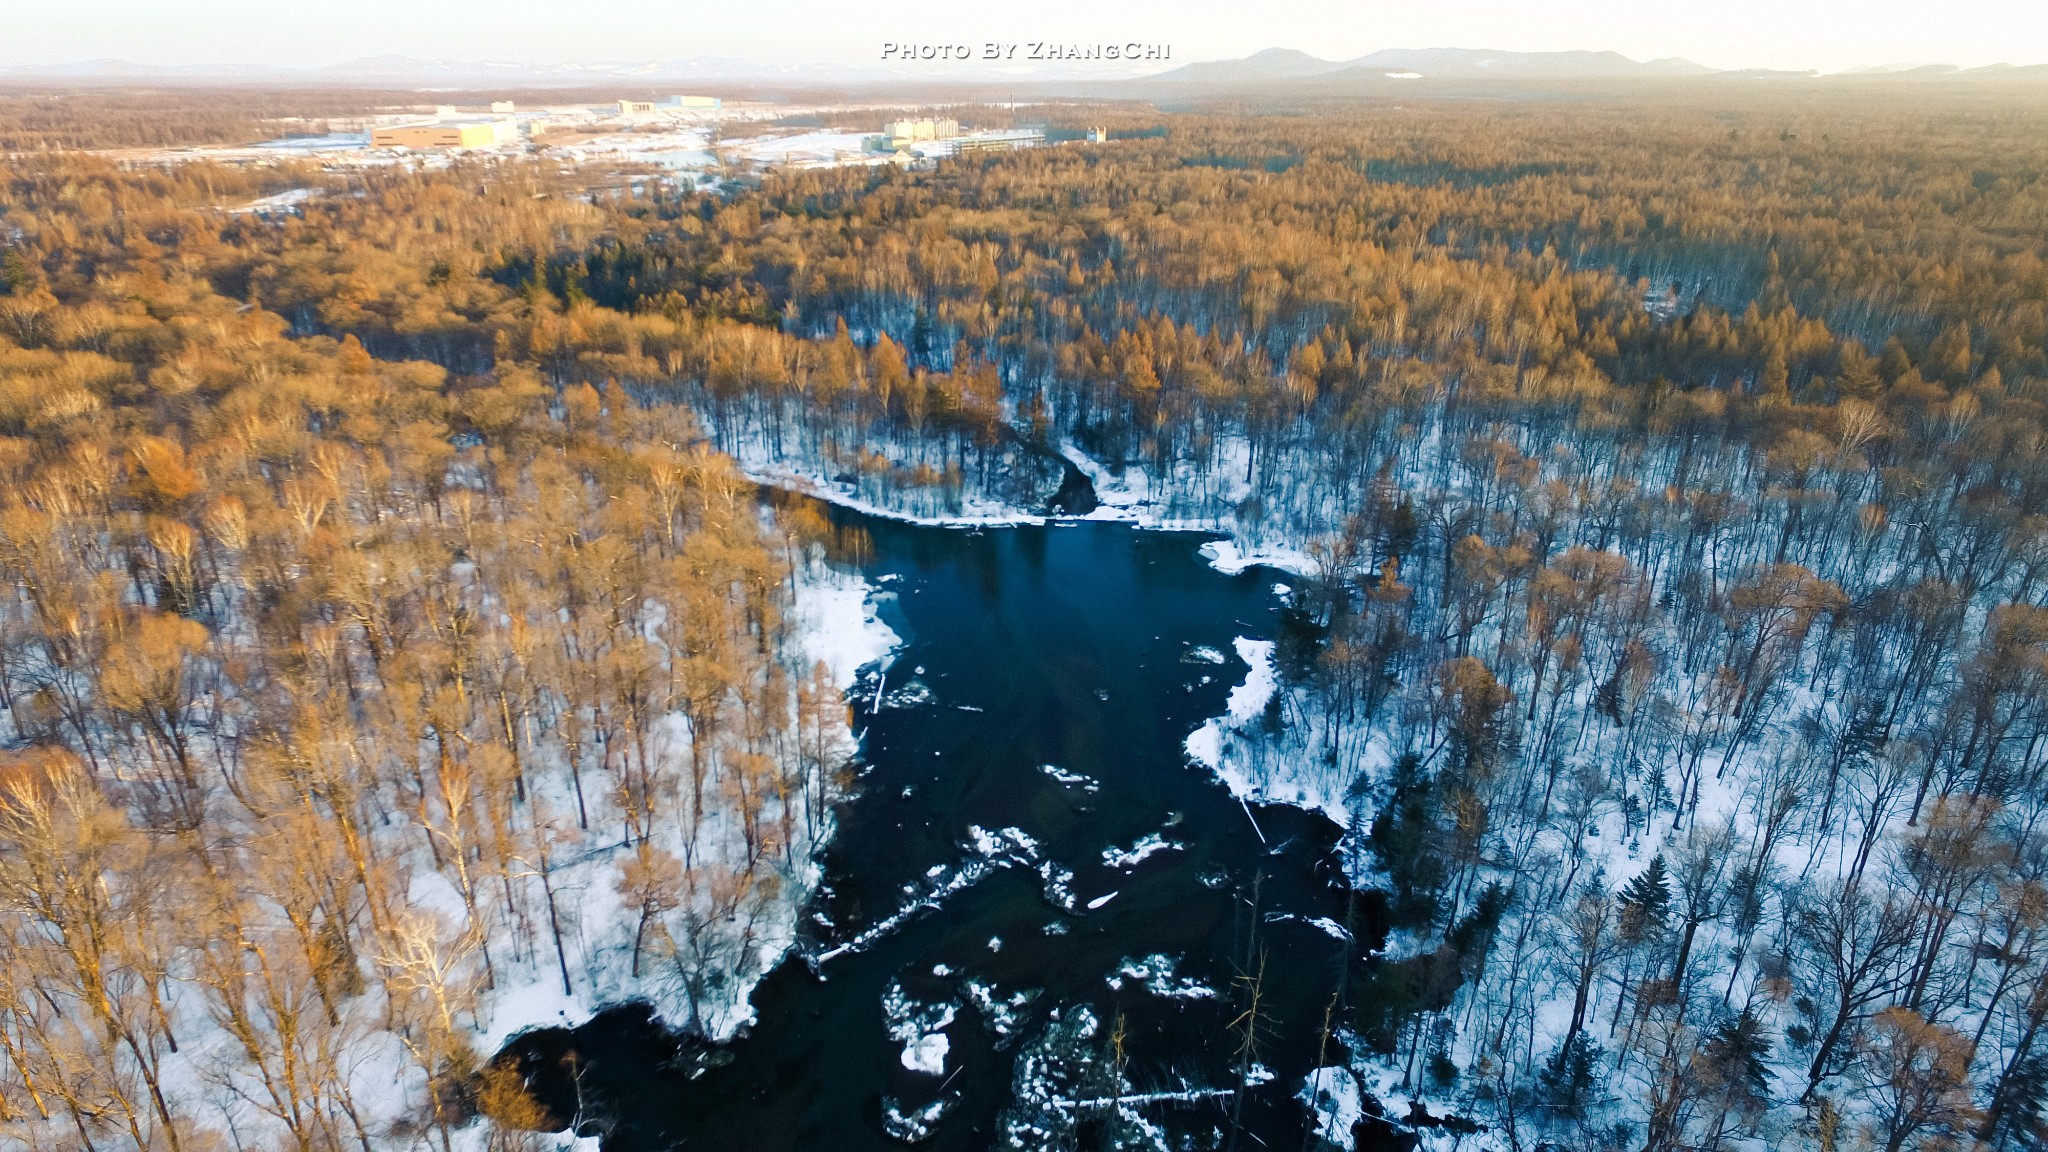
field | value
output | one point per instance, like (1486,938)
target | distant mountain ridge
(1287,65)
(1271,66)
(1444,61)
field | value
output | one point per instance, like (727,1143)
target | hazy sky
(1825,34)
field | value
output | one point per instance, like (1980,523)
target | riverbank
(1116,498)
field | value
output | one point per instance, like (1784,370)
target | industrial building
(635,107)
(936,137)
(710,102)
(905,132)
(998,141)
(472,133)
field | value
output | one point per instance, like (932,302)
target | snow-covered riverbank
(1280,764)
(1123,497)
(836,624)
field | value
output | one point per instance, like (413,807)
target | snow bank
(1130,496)
(974,513)
(1230,558)
(1214,743)
(1283,767)
(835,613)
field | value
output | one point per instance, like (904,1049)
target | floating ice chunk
(999,1013)
(1331,926)
(927,1054)
(909,694)
(1131,857)
(1202,655)
(1010,844)
(988,853)
(915,1125)
(1063,776)
(1156,973)
(920,1028)
(1058,885)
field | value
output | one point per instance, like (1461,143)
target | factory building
(710,102)
(474,133)
(904,132)
(635,107)
(998,142)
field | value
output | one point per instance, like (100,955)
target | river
(1049,678)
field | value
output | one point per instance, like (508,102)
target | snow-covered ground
(810,482)
(1279,765)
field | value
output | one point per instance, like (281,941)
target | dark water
(1070,644)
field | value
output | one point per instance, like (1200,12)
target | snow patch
(1336,1101)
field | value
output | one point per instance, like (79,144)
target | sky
(1830,35)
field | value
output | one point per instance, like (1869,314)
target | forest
(354,709)
(1665,478)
